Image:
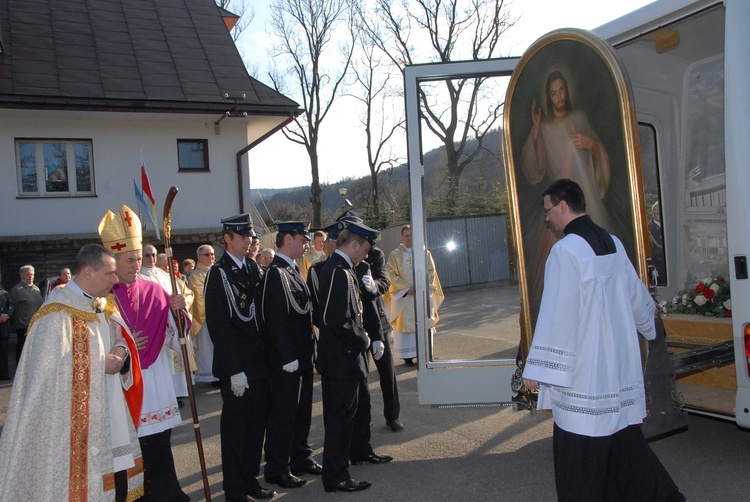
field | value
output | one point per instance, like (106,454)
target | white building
(90,88)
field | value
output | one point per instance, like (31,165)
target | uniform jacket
(343,340)
(286,316)
(376,261)
(230,315)
(313,285)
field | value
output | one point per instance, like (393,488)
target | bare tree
(240,9)
(383,117)
(304,29)
(419,31)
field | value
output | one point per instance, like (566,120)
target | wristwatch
(125,362)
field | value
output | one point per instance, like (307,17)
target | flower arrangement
(710,297)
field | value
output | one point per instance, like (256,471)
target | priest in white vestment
(585,360)
(70,427)
(400,298)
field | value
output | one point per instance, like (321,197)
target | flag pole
(183,340)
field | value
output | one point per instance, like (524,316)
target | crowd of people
(259,323)
(100,360)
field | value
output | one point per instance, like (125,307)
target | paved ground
(469,454)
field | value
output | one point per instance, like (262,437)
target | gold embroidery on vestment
(52,308)
(79,410)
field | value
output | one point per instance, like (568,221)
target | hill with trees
(481,190)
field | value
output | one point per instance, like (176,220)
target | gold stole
(80,407)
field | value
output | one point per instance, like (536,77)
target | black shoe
(180,403)
(216,384)
(373,458)
(315,469)
(286,481)
(395,425)
(261,493)
(350,485)
(409,362)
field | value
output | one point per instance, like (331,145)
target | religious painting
(569,114)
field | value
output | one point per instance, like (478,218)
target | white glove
(291,367)
(239,384)
(369,284)
(378,347)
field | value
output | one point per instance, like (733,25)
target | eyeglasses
(208,254)
(546,211)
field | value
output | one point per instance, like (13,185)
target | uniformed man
(239,361)
(342,362)
(374,283)
(286,314)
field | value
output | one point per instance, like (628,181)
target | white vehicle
(689,68)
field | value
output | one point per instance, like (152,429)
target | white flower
(700,300)
(728,304)
(685,299)
(715,287)
(708,280)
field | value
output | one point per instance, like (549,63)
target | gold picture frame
(600,107)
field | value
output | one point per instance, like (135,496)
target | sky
(279,163)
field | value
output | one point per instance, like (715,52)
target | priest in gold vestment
(400,298)
(70,429)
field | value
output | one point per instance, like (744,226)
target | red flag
(146,186)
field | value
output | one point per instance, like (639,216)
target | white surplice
(585,350)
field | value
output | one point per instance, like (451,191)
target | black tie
(244,267)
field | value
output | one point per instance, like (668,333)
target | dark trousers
(388,385)
(242,428)
(289,421)
(621,467)
(346,417)
(121,486)
(20,340)
(159,476)
(4,367)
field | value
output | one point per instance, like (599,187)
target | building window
(54,168)
(192,154)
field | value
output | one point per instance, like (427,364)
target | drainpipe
(241,190)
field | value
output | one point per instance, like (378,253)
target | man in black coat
(342,361)
(379,328)
(6,311)
(286,315)
(239,361)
